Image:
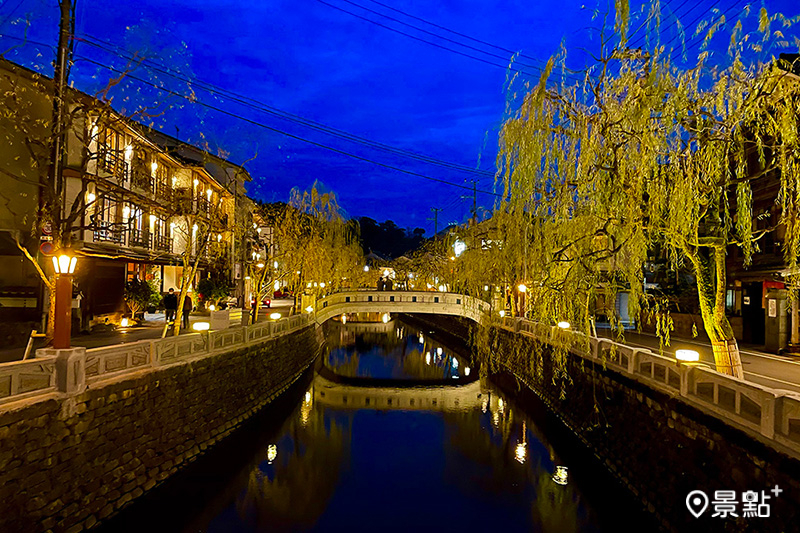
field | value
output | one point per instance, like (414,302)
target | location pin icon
(697,502)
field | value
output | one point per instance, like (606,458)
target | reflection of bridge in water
(418,397)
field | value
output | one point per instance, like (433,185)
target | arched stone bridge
(440,303)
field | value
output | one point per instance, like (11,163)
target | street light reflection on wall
(64,265)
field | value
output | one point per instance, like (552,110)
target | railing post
(70,368)
(768,415)
(685,372)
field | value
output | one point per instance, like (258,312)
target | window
(436,300)
(369,298)
(391,298)
(413,298)
(347,299)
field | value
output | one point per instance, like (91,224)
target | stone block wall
(658,446)
(68,462)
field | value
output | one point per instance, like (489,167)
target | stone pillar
(70,368)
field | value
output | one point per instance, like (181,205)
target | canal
(392,431)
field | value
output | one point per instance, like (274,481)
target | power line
(409,15)
(440,36)
(260,106)
(279,131)
(505,67)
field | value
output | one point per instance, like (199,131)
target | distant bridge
(440,303)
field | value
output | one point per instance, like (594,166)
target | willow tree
(314,244)
(642,155)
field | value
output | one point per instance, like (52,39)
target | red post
(63,315)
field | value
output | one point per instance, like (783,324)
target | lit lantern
(687,356)
(201,326)
(563,325)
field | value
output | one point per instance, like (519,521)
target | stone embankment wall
(657,445)
(68,462)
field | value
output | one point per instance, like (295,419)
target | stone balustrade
(42,375)
(769,415)
(22,379)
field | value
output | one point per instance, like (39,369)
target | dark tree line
(387,239)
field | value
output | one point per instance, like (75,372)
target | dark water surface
(437,450)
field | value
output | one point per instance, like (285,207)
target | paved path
(151,329)
(775,371)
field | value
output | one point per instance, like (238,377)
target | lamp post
(64,266)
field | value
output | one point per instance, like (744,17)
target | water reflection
(451,456)
(393,350)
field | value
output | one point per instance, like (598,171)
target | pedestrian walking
(187,308)
(170,305)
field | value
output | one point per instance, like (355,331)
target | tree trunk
(711,285)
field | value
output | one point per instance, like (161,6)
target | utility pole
(435,221)
(60,74)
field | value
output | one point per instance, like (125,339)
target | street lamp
(687,356)
(64,266)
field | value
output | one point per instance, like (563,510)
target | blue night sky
(314,61)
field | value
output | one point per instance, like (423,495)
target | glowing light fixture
(275,264)
(344,319)
(385,318)
(439,350)
(219,237)
(466,370)
(560,477)
(309,309)
(123,323)
(502,313)
(208,193)
(486,287)
(459,248)
(366,268)
(563,324)
(275,316)
(91,197)
(687,356)
(272,452)
(196,182)
(212,307)
(260,265)
(201,326)
(64,264)
(522,288)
